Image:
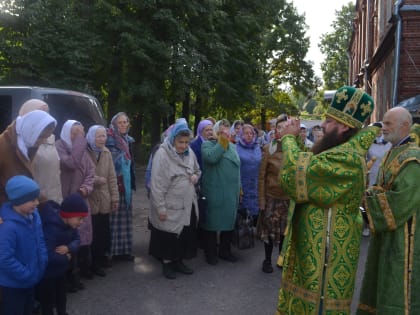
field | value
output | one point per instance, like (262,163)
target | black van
(63,104)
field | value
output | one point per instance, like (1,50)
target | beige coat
(46,164)
(103,194)
(172,192)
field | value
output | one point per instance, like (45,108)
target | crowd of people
(302,188)
(66,207)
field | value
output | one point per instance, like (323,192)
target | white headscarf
(29,127)
(65,134)
(91,137)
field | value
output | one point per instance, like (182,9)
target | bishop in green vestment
(391,283)
(324,229)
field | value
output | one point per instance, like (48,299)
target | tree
(47,42)
(334,46)
(160,59)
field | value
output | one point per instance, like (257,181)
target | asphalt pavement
(139,288)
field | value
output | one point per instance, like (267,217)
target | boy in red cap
(60,225)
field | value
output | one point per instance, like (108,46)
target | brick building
(384,53)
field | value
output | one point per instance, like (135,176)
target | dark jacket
(195,145)
(57,233)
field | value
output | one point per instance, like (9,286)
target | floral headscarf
(122,140)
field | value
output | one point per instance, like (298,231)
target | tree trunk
(186,106)
(263,118)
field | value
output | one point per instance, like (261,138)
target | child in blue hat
(23,254)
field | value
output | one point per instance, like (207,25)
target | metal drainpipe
(349,68)
(397,53)
(366,61)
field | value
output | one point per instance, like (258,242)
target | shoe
(87,274)
(182,268)
(106,263)
(228,257)
(71,288)
(99,272)
(212,260)
(168,270)
(267,267)
(80,286)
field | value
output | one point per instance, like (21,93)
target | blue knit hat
(74,206)
(21,189)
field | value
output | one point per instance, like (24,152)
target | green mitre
(351,106)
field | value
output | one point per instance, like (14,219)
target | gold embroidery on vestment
(408,261)
(344,118)
(301,167)
(387,212)
(312,297)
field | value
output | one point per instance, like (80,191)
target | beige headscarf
(31,105)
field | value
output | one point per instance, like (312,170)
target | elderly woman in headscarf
(249,152)
(221,186)
(235,130)
(204,132)
(46,163)
(119,144)
(18,145)
(77,176)
(104,198)
(174,212)
(273,201)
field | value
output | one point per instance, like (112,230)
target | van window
(5,111)
(65,106)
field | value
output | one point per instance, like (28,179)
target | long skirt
(272,220)
(121,227)
(171,246)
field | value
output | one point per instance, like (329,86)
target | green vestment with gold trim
(391,283)
(324,230)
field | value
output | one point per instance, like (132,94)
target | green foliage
(159,59)
(334,46)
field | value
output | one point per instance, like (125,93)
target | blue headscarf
(179,126)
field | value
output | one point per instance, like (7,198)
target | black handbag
(243,234)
